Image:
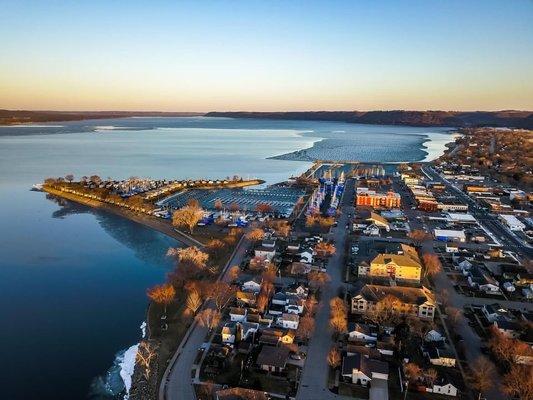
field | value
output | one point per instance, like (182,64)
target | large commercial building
(446,235)
(512,222)
(378,200)
(404,300)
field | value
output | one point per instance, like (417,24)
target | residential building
(273,359)
(378,200)
(418,302)
(400,267)
(360,369)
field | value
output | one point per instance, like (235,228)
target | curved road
(179,384)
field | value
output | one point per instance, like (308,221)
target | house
(440,356)
(482,281)
(371,230)
(434,336)
(289,321)
(508,328)
(273,359)
(279,298)
(300,268)
(360,369)
(228,333)
(452,248)
(269,243)
(443,386)
(386,346)
(419,302)
(248,298)
(235,332)
(253,285)
(267,253)
(493,311)
(358,331)
(306,257)
(379,221)
(237,314)
(297,290)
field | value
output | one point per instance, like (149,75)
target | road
(507,239)
(314,379)
(178,385)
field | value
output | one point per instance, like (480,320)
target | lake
(73,280)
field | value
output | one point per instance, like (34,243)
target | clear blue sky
(266,55)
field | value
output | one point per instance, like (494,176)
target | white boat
(38,187)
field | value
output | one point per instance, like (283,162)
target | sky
(266,55)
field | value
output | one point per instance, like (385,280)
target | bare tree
(518,382)
(146,353)
(306,327)
(188,217)
(221,293)
(218,205)
(69,178)
(412,371)
(318,279)
(194,301)
(481,374)
(234,273)
(208,318)
(255,235)
(193,256)
(162,294)
(325,249)
(432,264)
(418,236)
(334,357)
(431,376)
(454,315)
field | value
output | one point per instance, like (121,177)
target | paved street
(313,384)
(505,237)
(179,383)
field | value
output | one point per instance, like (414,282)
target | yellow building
(403,267)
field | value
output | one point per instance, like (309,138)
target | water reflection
(148,246)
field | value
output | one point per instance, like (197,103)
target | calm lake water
(73,280)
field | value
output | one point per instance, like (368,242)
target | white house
(306,257)
(452,248)
(253,285)
(289,321)
(265,252)
(434,336)
(361,332)
(360,369)
(443,387)
(237,314)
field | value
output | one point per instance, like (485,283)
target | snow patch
(127,365)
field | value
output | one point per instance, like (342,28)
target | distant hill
(515,119)
(9,117)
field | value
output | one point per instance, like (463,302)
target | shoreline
(430,152)
(146,220)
